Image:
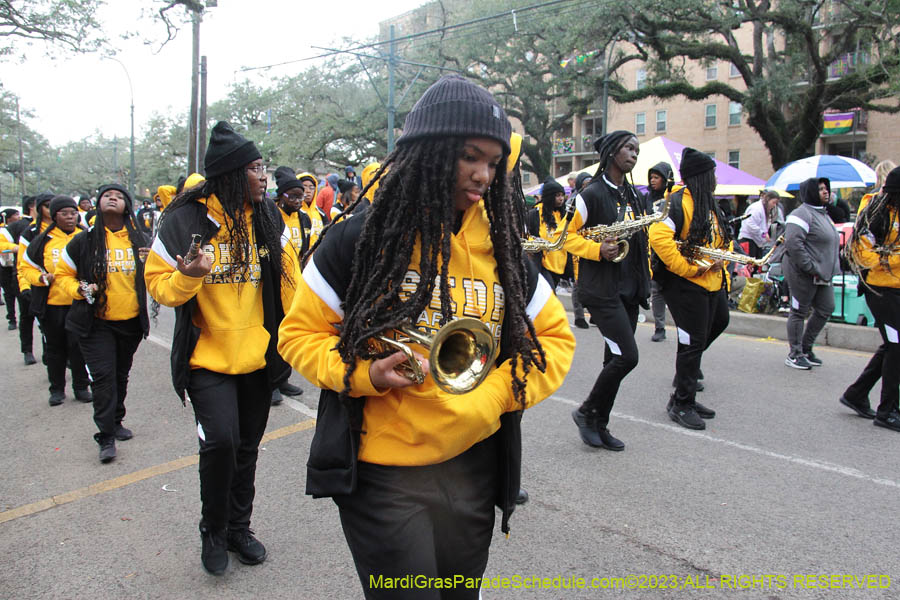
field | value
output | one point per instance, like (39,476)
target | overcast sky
(73,97)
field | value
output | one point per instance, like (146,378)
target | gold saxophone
(533,245)
(623,229)
(702,256)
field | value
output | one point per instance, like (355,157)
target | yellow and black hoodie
(554,261)
(298,225)
(29,233)
(126,296)
(317,218)
(223,322)
(879,275)
(43,255)
(420,424)
(677,226)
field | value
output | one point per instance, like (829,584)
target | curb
(838,335)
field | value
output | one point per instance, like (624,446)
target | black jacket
(333,453)
(603,280)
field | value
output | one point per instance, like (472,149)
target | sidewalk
(839,335)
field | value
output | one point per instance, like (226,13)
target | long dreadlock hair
(875,220)
(549,212)
(99,256)
(414,203)
(701,187)
(233,192)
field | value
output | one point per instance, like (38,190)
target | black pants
(431,521)
(617,321)
(10,290)
(61,349)
(700,317)
(231,413)
(885,363)
(26,326)
(108,353)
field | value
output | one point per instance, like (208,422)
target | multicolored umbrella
(843,171)
(731,181)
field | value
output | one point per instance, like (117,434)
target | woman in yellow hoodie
(228,287)
(50,302)
(416,471)
(101,270)
(875,253)
(696,295)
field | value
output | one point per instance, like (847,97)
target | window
(733,71)
(660,121)
(591,127)
(526,178)
(734,159)
(734,113)
(640,123)
(710,115)
(640,79)
(712,73)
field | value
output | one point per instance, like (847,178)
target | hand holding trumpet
(383,375)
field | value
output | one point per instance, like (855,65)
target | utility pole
(193,162)
(201,137)
(21,155)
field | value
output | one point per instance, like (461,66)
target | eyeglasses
(258,169)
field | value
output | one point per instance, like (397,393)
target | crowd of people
(432,240)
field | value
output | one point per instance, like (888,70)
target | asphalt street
(786,494)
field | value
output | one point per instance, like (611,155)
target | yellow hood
(367,173)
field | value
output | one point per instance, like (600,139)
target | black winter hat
(114,186)
(550,189)
(227,151)
(610,143)
(60,202)
(286,179)
(345,185)
(454,106)
(579,181)
(694,162)
(41,199)
(892,182)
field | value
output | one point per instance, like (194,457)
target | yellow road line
(128,479)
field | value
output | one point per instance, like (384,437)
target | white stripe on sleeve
(320,286)
(161,251)
(68,259)
(539,298)
(798,222)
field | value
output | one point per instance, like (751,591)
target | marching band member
(415,471)
(612,290)
(228,290)
(546,221)
(875,250)
(696,295)
(317,217)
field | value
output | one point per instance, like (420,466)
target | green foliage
(69,24)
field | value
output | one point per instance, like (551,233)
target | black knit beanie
(40,200)
(892,182)
(610,143)
(286,179)
(550,189)
(453,106)
(60,202)
(227,151)
(345,185)
(117,187)
(694,162)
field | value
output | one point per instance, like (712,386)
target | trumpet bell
(462,354)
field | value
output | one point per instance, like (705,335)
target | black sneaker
(276,397)
(213,555)
(123,433)
(889,421)
(861,408)
(812,359)
(29,358)
(582,324)
(11,326)
(704,412)
(107,447)
(587,428)
(84,396)
(56,398)
(289,389)
(521,497)
(250,550)
(658,336)
(686,416)
(609,442)
(798,362)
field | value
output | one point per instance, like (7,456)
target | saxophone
(533,245)
(702,256)
(623,229)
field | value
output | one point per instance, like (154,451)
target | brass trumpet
(460,354)
(623,229)
(702,256)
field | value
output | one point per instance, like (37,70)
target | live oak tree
(787,78)
(68,24)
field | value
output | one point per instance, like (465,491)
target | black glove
(26,296)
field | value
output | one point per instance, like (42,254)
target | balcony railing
(847,63)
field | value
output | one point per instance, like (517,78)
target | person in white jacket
(756,229)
